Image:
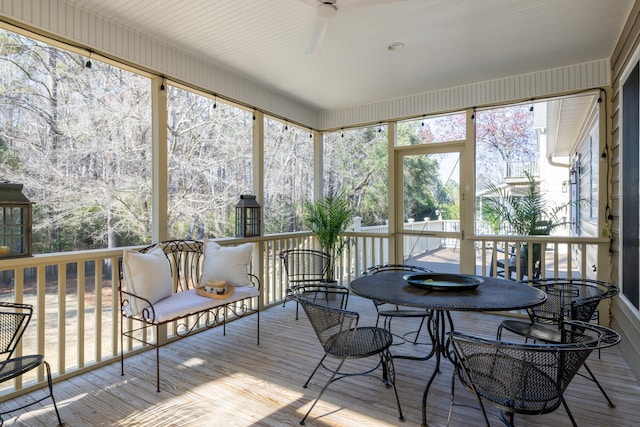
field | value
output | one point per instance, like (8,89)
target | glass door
(428,207)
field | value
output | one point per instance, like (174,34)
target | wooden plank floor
(213,380)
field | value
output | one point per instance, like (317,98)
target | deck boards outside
(213,380)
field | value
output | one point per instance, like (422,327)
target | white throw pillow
(228,263)
(146,275)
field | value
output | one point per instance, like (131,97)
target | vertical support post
(159,158)
(467,198)
(394,190)
(258,262)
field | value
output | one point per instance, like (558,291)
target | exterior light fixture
(573,176)
(247,216)
(15,221)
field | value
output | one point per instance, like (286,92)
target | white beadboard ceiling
(448,43)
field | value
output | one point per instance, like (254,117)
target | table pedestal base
(438,327)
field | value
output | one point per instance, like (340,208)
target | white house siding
(626,318)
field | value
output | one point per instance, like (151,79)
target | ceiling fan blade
(317,38)
(313,3)
(356,4)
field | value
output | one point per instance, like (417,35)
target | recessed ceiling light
(395,46)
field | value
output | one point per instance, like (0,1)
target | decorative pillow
(228,263)
(146,275)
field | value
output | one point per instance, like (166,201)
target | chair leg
(314,371)
(452,395)
(50,385)
(456,372)
(387,326)
(415,341)
(157,359)
(431,329)
(507,418)
(333,375)
(566,408)
(285,302)
(37,400)
(593,378)
(121,346)
(389,375)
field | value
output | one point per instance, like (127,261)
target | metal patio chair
(342,338)
(524,378)
(515,256)
(305,268)
(14,319)
(567,299)
(391,311)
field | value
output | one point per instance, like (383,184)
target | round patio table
(493,294)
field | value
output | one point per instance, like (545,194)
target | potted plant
(527,215)
(327,218)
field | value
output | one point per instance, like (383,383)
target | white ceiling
(448,43)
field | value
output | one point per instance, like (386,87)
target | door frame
(424,149)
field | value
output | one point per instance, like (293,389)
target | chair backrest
(382,268)
(569,299)
(387,268)
(523,252)
(14,319)
(331,296)
(305,266)
(335,327)
(523,377)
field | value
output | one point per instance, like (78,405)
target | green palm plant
(327,218)
(528,215)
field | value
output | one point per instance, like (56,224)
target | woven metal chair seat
(15,367)
(356,343)
(535,331)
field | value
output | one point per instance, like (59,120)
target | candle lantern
(15,221)
(247,216)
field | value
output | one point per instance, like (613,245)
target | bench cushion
(147,275)
(189,302)
(228,263)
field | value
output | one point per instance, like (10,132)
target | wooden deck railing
(74,294)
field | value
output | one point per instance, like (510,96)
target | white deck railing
(74,294)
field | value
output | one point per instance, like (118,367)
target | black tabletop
(492,295)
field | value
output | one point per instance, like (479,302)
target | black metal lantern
(15,221)
(247,216)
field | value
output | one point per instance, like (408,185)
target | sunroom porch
(77,321)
